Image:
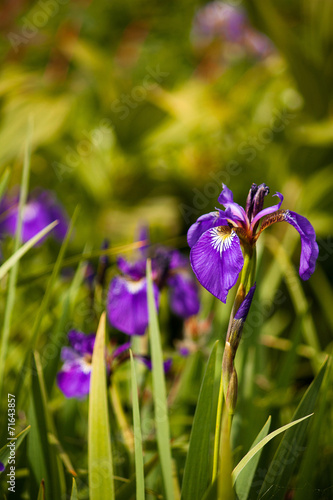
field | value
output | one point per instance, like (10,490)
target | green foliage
(137,119)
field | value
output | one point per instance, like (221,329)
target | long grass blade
(139,470)
(159,391)
(14,271)
(101,486)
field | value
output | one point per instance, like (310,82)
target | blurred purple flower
(218,20)
(74,377)
(41,209)
(216,238)
(2,467)
(127,298)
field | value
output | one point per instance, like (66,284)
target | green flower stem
(229,384)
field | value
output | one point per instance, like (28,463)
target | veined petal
(226,199)
(205,222)
(268,210)
(184,300)
(217,259)
(309,250)
(74,378)
(127,305)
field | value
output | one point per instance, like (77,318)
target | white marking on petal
(134,286)
(221,241)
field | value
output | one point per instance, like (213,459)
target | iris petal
(217,259)
(226,199)
(268,210)
(309,251)
(205,222)
(127,305)
(184,300)
(74,379)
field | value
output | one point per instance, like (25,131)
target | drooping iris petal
(309,250)
(74,378)
(83,344)
(268,210)
(127,305)
(205,222)
(184,300)
(226,199)
(217,259)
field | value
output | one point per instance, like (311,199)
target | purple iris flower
(2,467)
(230,24)
(74,377)
(216,238)
(41,209)
(127,304)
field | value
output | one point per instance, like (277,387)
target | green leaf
(44,462)
(74,490)
(245,460)
(224,483)
(4,182)
(5,450)
(14,271)
(6,266)
(277,479)
(41,493)
(306,476)
(197,472)
(159,392)
(245,477)
(139,471)
(101,486)
(127,491)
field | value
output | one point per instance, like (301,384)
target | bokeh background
(141,109)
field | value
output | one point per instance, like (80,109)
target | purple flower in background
(2,467)
(216,238)
(41,209)
(127,304)
(74,377)
(218,20)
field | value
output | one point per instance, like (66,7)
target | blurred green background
(138,119)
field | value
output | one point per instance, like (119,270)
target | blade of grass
(6,266)
(41,493)
(305,478)
(74,490)
(4,451)
(101,486)
(44,462)
(197,473)
(139,471)
(14,271)
(159,391)
(277,479)
(224,483)
(245,477)
(127,491)
(4,182)
(23,378)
